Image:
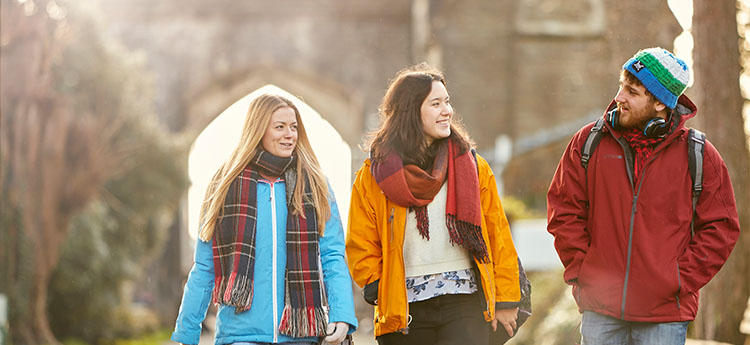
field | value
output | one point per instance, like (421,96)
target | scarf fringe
(423,221)
(303,322)
(236,292)
(469,236)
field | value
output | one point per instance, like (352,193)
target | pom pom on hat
(663,74)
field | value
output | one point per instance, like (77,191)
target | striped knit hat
(662,73)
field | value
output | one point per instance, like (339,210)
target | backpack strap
(592,140)
(696,145)
(474,154)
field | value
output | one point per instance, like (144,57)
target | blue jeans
(599,329)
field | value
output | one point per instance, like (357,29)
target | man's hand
(506,317)
(336,332)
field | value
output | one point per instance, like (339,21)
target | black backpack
(696,144)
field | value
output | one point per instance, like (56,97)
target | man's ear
(659,106)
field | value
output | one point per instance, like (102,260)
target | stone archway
(343,108)
(215,143)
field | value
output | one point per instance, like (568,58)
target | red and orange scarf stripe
(410,186)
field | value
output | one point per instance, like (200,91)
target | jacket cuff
(185,339)
(506,305)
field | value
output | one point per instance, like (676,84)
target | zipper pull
(390,223)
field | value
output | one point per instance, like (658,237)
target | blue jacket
(261,322)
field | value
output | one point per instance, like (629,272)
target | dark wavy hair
(401,118)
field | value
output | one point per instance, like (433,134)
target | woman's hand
(336,332)
(506,317)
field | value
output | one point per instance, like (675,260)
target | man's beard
(643,117)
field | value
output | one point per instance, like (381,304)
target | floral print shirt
(424,287)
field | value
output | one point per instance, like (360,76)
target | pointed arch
(213,145)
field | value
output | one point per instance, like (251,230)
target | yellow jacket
(375,242)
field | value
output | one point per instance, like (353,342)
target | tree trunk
(41,325)
(717,94)
(53,162)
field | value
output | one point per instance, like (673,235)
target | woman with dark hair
(271,247)
(427,236)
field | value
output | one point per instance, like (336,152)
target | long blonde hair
(257,120)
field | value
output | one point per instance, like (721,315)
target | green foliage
(555,318)
(154,338)
(15,260)
(516,209)
(122,231)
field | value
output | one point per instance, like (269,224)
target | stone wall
(514,67)
(527,69)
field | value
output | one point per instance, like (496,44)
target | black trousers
(444,320)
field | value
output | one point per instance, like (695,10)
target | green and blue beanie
(663,74)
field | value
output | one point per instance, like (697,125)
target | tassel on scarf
(303,322)
(238,292)
(467,235)
(423,221)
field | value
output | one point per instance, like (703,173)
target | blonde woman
(271,248)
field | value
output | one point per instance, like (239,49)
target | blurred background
(114,114)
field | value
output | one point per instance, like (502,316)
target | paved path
(360,338)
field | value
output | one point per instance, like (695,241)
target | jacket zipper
(390,223)
(492,289)
(404,330)
(633,209)
(273,265)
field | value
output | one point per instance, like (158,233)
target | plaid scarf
(234,250)
(643,146)
(410,186)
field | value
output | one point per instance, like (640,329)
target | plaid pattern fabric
(234,243)
(303,314)
(234,250)
(410,186)
(643,146)
(271,165)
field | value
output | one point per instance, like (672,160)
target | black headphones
(655,128)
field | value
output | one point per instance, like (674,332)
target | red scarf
(410,186)
(643,146)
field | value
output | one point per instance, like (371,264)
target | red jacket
(627,248)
